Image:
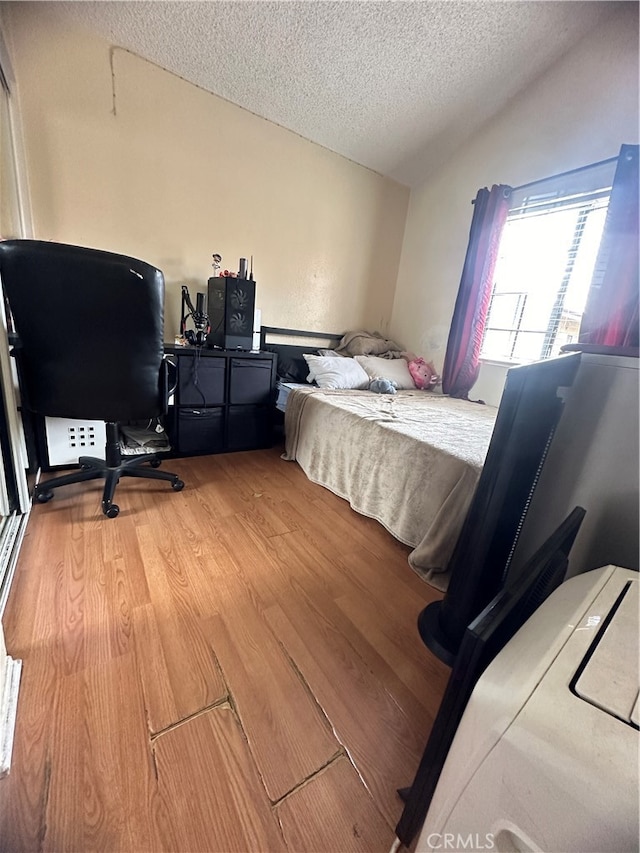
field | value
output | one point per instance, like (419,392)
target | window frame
(583,189)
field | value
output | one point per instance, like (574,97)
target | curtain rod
(562,174)
(559,175)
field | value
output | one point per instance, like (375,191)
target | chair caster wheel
(155,463)
(43,497)
(111,510)
(177,485)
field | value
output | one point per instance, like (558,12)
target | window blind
(546,262)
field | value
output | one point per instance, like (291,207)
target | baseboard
(11,679)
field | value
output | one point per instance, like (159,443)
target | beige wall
(580,111)
(177,174)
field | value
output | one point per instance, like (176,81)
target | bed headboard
(290,345)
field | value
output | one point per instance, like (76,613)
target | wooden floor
(234,667)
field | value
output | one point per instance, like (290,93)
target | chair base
(92,468)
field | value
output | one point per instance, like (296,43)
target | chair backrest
(90,327)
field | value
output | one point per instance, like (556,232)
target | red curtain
(462,361)
(611,315)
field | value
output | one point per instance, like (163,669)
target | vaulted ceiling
(394,86)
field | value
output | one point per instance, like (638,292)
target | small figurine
(216,263)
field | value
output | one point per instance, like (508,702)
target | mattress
(284,389)
(410,460)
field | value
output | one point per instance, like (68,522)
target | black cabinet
(222,402)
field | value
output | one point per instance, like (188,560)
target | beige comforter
(410,460)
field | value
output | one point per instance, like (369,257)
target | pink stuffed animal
(423,374)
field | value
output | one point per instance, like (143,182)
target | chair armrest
(171,374)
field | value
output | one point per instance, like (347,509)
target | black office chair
(89,346)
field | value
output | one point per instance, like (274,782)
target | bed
(411,460)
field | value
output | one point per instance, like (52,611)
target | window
(545,265)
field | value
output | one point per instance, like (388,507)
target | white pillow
(336,372)
(395,369)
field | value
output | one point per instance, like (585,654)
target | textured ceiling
(394,86)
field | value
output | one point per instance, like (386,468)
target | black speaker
(231,307)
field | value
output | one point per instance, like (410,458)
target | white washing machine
(546,755)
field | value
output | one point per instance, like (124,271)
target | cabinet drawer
(250,381)
(248,427)
(201,381)
(200,430)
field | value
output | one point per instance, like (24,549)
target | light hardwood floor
(235,667)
